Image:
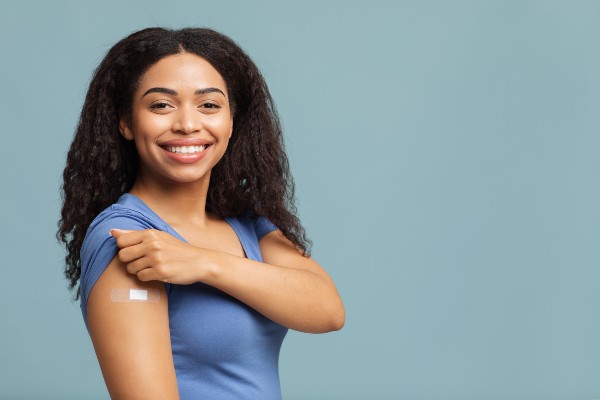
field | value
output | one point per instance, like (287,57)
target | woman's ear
(125,129)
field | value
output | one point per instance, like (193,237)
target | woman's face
(180,106)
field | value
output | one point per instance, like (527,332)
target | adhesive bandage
(130,295)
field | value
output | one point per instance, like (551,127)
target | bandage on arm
(131,338)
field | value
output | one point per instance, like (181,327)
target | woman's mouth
(186,154)
(185,149)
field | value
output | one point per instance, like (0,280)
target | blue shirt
(222,348)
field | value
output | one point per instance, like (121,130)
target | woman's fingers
(148,274)
(154,255)
(138,265)
(131,253)
(126,238)
(116,233)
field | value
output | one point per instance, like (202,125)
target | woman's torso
(222,348)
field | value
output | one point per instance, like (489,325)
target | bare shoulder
(131,339)
(276,249)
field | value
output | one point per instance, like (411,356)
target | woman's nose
(187,120)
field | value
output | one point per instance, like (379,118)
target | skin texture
(287,287)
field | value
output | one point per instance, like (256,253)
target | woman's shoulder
(124,214)
(119,215)
(128,212)
(99,247)
(261,224)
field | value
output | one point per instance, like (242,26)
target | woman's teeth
(185,149)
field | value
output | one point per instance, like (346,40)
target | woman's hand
(154,255)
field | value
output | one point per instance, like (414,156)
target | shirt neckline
(232,221)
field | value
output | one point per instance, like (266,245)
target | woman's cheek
(154,126)
(219,125)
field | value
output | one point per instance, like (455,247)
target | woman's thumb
(117,232)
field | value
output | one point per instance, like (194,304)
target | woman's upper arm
(131,339)
(276,249)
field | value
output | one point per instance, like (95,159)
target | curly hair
(252,178)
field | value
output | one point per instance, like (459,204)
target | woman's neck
(177,204)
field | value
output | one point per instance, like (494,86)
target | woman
(179,224)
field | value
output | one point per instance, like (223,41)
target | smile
(185,149)
(187,154)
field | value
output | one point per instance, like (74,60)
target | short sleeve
(99,247)
(262,226)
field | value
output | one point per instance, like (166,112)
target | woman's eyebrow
(173,92)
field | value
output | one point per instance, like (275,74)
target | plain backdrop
(447,169)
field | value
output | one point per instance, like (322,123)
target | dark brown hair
(252,177)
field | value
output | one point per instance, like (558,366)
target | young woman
(179,223)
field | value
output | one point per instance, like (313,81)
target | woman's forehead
(183,72)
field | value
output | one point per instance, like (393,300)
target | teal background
(446,159)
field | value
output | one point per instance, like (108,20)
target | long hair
(252,177)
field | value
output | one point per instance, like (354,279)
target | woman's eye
(159,105)
(210,105)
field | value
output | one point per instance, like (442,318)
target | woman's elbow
(338,318)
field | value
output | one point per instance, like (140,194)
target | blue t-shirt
(222,348)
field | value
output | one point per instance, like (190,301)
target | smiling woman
(180,110)
(194,148)
(180,225)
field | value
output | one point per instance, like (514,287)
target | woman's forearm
(296,293)
(295,298)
